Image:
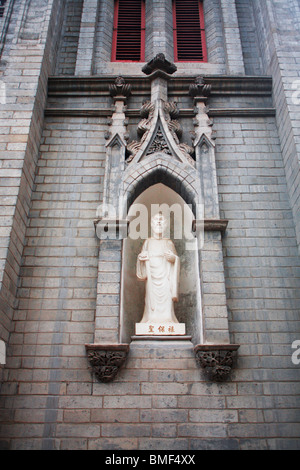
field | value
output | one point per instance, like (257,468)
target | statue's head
(158,224)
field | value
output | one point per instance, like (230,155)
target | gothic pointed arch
(159,169)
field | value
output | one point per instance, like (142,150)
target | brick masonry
(51,185)
(24,71)
(281,60)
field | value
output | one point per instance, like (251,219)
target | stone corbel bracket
(199,90)
(159,64)
(217,360)
(106,359)
(120,90)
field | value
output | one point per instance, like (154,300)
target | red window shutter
(189,32)
(129,31)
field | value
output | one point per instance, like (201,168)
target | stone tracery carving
(159,142)
(147,113)
(143,128)
(200,91)
(159,129)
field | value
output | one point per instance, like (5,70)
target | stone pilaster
(232,39)
(86,45)
(108,225)
(215,316)
(159,19)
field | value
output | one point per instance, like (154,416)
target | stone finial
(159,62)
(120,88)
(199,88)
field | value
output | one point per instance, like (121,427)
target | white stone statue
(159,265)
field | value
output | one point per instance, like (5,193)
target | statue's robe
(161,278)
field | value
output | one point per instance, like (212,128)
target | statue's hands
(143,256)
(170,256)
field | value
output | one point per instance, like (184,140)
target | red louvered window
(129,31)
(189,32)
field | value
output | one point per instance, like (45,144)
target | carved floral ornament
(106,360)
(216,360)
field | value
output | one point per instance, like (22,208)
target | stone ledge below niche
(161,338)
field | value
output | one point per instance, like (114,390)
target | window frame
(115,34)
(202,33)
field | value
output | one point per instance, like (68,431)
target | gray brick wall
(159,29)
(24,70)
(279,38)
(57,294)
(49,193)
(262,280)
(160,399)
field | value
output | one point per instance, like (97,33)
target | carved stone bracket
(106,359)
(216,359)
(120,88)
(159,62)
(199,89)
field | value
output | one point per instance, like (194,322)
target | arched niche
(173,180)
(188,310)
